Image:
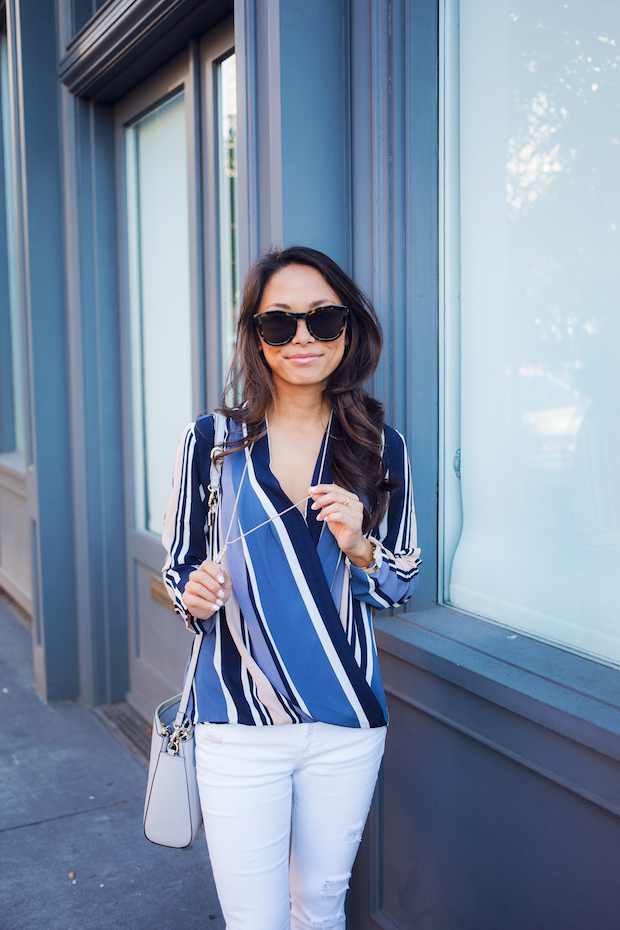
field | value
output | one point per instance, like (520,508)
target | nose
(303,335)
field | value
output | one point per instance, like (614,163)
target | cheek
(269,354)
(339,351)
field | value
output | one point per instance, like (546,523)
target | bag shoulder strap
(219,440)
(219,443)
(189,679)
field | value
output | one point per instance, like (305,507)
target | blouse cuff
(364,583)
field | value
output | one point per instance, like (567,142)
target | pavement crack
(87,810)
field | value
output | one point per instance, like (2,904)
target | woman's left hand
(343,512)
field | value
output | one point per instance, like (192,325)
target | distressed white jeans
(284,808)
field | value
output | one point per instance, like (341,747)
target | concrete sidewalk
(71,799)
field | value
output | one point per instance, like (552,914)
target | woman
(316,505)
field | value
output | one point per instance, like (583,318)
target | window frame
(177,75)
(214,48)
(449,520)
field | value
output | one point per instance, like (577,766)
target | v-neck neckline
(320,465)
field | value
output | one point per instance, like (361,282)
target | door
(176,164)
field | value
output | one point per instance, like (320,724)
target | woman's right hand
(207,589)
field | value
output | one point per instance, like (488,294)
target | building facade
(461,161)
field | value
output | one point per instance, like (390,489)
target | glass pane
(11,394)
(157,208)
(227,164)
(540,328)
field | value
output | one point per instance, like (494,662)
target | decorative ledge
(572,695)
(134,36)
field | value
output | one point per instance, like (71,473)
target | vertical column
(294,153)
(31,27)
(95,395)
(395,260)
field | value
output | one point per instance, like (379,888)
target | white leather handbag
(172,813)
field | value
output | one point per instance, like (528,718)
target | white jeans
(284,808)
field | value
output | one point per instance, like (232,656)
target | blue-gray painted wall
(99,494)
(314,106)
(7,413)
(32,30)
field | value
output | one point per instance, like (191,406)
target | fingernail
(220,578)
(220,593)
(314,506)
(312,487)
(220,603)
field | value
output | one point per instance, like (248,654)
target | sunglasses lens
(326,323)
(277,328)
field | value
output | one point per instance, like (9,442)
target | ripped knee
(333,887)
(354,834)
(325,923)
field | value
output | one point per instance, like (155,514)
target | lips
(301,358)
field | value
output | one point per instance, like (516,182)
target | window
(181,281)
(227,172)
(531,495)
(11,395)
(159,300)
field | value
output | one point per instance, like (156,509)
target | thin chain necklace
(229,542)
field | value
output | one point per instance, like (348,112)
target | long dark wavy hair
(357,420)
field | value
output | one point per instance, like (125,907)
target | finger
(216,571)
(199,607)
(202,585)
(205,584)
(351,515)
(344,519)
(339,497)
(211,574)
(318,489)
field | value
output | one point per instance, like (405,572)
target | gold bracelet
(377,558)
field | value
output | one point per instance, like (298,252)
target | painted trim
(568,694)
(507,753)
(123,30)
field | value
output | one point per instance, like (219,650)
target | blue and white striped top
(294,643)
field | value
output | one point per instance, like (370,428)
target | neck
(300,405)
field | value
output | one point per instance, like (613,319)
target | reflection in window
(11,394)
(539,155)
(227,170)
(159,282)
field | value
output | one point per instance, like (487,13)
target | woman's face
(305,360)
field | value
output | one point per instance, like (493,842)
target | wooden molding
(135,35)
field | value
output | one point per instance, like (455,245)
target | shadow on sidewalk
(72,852)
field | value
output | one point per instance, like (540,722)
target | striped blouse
(294,643)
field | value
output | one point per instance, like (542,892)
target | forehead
(298,287)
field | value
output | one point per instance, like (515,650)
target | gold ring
(346,501)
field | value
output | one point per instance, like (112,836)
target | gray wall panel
(315,126)
(394,229)
(32,35)
(96,399)
(488,843)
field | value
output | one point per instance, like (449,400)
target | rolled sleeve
(398,575)
(185,537)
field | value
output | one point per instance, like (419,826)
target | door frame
(193,72)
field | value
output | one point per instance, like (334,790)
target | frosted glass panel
(540,319)
(17,396)
(227,166)
(158,226)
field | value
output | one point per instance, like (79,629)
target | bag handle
(219,441)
